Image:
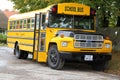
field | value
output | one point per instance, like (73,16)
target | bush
(3,38)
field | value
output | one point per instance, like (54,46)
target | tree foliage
(107,10)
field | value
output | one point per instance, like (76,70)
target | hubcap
(53,57)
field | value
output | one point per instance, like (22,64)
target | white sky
(5,4)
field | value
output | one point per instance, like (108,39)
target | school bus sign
(73,9)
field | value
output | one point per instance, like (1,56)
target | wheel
(17,52)
(20,54)
(100,66)
(54,59)
(24,54)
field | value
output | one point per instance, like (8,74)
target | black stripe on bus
(19,37)
(21,43)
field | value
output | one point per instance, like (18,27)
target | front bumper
(81,56)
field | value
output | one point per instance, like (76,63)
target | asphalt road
(17,69)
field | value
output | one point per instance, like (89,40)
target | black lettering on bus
(79,9)
(72,9)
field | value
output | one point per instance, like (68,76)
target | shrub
(3,38)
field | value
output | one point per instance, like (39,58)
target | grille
(88,45)
(88,37)
(88,41)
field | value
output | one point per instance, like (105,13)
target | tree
(107,11)
(29,5)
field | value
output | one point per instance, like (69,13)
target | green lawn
(2,44)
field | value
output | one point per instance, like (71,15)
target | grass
(114,65)
(2,44)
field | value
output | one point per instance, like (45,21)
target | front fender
(59,40)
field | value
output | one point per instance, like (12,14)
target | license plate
(88,58)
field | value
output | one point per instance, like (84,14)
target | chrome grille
(88,41)
(88,45)
(88,37)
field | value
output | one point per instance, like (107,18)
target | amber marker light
(107,37)
(62,35)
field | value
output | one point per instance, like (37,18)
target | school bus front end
(73,43)
(79,46)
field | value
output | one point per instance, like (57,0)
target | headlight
(107,45)
(64,44)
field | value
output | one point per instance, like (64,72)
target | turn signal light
(107,37)
(62,35)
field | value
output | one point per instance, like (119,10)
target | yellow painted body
(25,36)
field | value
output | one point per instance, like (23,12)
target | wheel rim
(53,57)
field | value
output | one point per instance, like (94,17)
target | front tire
(54,59)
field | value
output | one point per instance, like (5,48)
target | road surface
(18,69)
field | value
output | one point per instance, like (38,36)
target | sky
(5,4)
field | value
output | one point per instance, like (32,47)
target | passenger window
(32,22)
(11,24)
(28,23)
(25,23)
(21,24)
(14,24)
(17,24)
(43,26)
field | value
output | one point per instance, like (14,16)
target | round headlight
(64,44)
(107,45)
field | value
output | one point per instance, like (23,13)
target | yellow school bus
(59,33)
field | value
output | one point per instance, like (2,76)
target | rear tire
(17,52)
(24,54)
(20,54)
(54,59)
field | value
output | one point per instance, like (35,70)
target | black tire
(24,54)
(100,66)
(17,52)
(54,60)
(20,54)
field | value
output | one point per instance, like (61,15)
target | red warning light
(54,9)
(93,12)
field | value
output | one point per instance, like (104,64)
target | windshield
(70,21)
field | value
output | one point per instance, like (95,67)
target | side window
(32,22)
(28,23)
(21,24)
(14,24)
(43,22)
(24,23)
(17,26)
(11,24)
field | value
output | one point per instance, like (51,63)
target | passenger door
(39,36)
